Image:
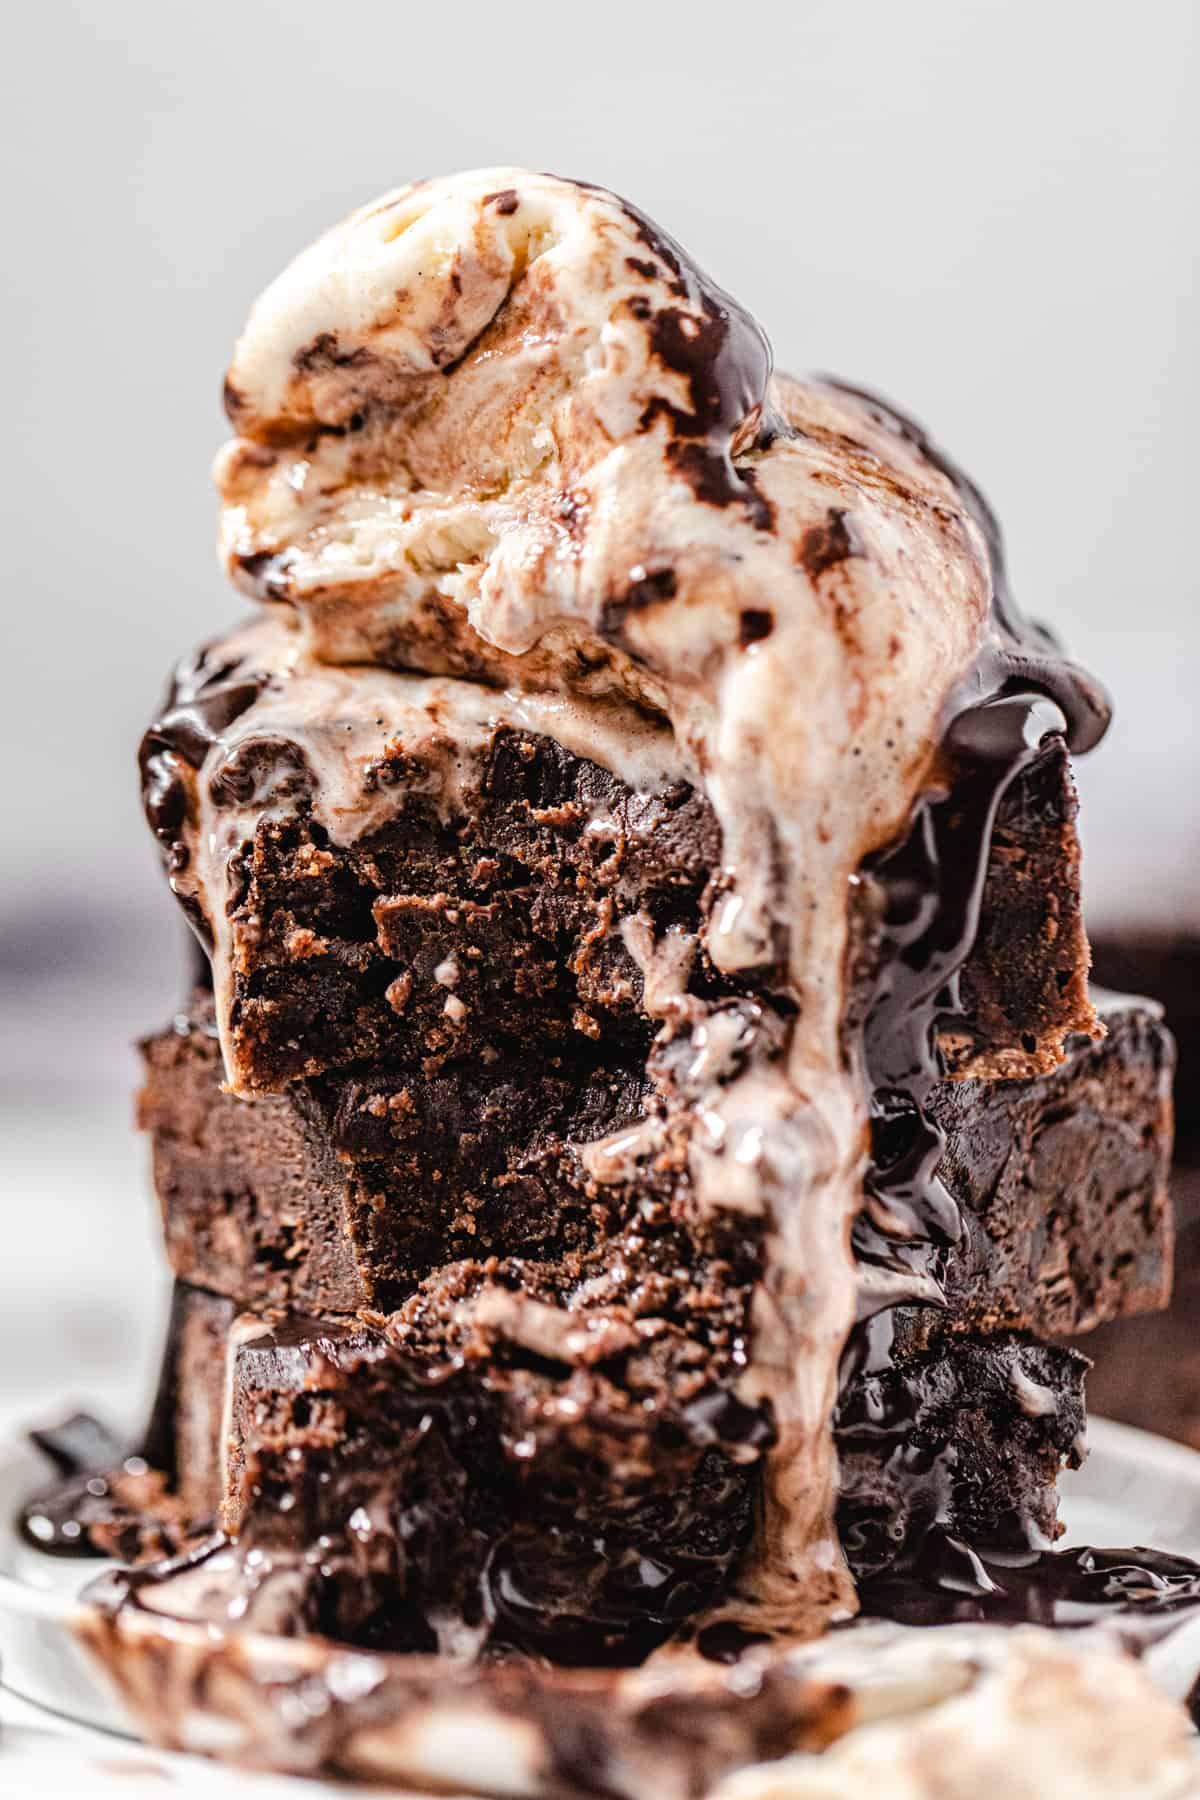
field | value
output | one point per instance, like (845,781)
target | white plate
(1134,1489)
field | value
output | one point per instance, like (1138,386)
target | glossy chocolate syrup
(1149,1590)
(930,886)
(1021,694)
(725,364)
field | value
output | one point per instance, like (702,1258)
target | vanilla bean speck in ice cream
(499,439)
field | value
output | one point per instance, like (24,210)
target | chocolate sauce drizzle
(1020,697)
(1021,693)
(1063,1589)
(1031,659)
(930,885)
(724,355)
(83,1514)
(207,692)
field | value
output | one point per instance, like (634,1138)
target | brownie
(1147,1369)
(1024,984)
(466,1494)
(1061,1186)
(345,1191)
(570,1415)
(1165,963)
(306,1199)
(471,1499)
(486,915)
(465,982)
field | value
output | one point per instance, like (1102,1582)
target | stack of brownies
(611,1197)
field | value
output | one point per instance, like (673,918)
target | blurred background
(986,209)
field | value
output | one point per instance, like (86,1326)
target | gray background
(987,211)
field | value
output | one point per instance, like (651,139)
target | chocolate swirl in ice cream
(963,1710)
(498,438)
